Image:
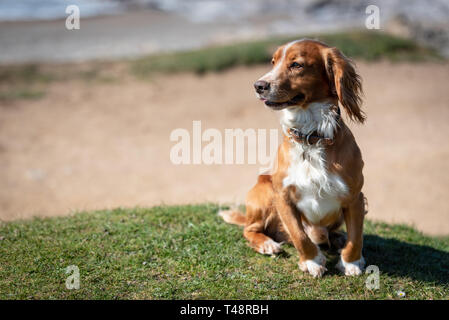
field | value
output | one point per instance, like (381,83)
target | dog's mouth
(281,105)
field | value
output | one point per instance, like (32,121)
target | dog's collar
(313,137)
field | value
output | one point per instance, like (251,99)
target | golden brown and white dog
(317,182)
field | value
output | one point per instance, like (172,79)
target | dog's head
(306,71)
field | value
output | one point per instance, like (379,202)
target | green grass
(363,45)
(25,93)
(188,252)
(25,73)
(23,82)
(20,81)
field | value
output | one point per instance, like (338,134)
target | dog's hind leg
(253,231)
(337,239)
(260,212)
(259,241)
(260,219)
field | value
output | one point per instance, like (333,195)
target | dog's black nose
(261,86)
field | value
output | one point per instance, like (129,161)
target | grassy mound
(187,252)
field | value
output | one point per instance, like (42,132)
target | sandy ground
(102,145)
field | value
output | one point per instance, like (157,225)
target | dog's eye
(296,65)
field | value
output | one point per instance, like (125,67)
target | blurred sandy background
(101,144)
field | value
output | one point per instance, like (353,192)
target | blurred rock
(131,28)
(432,35)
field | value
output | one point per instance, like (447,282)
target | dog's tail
(233,217)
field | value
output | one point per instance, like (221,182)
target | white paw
(270,247)
(354,268)
(316,266)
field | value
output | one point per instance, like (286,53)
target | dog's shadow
(403,259)
(398,258)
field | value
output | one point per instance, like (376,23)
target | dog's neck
(321,117)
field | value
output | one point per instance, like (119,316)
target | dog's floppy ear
(344,82)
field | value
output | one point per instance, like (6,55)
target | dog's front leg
(351,261)
(311,259)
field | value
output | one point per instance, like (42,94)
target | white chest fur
(319,190)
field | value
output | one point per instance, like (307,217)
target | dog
(317,182)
